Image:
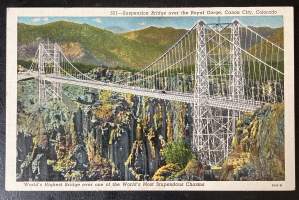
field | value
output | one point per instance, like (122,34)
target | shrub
(166,171)
(177,152)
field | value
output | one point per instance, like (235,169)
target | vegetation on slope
(177,152)
(164,37)
(258,144)
(93,46)
(96,46)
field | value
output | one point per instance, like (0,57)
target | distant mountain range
(90,45)
(116,29)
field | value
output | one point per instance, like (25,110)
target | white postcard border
(11,104)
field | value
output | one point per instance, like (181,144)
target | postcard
(177,99)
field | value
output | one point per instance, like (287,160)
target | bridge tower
(210,139)
(202,112)
(237,81)
(41,72)
(57,87)
(48,63)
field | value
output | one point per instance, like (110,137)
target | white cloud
(35,19)
(141,23)
(98,20)
(39,19)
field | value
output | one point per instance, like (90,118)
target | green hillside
(272,54)
(163,37)
(91,45)
(277,37)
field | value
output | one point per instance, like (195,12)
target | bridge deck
(26,75)
(214,101)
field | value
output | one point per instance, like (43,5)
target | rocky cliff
(103,136)
(258,147)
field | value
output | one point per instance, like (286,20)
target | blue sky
(134,23)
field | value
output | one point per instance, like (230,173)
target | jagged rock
(75,175)
(119,151)
(24,149)
(131,130)
(52,155)
(208,174)
(194,171)
(25,172)
(153,151)
(43,143)
(136,164)
(102,170)
(40,167)
(78,123)
(246,173)
(24,145)
(81,157)
(20,106)
(164,119)
(54,175)
(258,146)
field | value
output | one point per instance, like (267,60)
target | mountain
(277,37)
(271,55)
(92,45)
(116,29)
(163,37)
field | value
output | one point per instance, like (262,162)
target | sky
(124,24)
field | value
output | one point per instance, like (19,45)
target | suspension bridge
(222,69)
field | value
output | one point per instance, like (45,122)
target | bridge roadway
(214,101)
(26,75)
